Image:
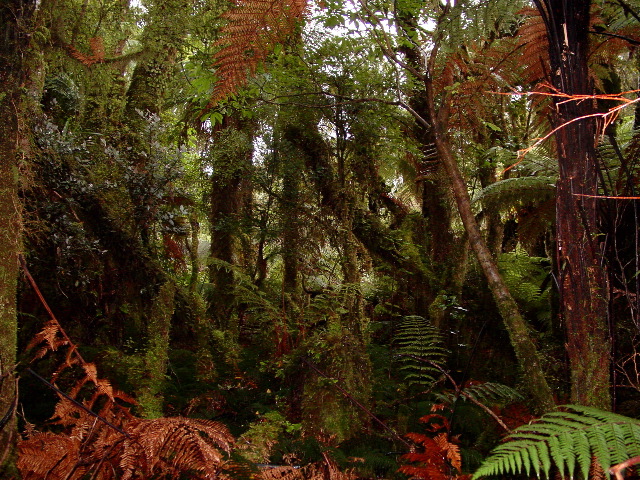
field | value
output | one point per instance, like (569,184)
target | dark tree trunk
(439,240)
(582,275)
(291,164)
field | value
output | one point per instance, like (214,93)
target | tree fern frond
(417,344)
(517,191)
(489,393)
(527,278)
(568,439)
(254,28)
(97,52)
(535,46)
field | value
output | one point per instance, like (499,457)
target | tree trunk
(582,276)
(515,324)
(15,18)
(10,235)
(231,157)
(290,158)
(156,355)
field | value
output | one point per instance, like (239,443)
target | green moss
(327,411)
(156,355)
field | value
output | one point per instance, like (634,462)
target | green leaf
(492,126)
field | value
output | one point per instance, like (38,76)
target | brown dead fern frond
(253,29)
(325,470)
(97,55)
(113,444)
(282,473)
(175,444)
(534,45)
(102,440)
(52,338)
(435,457)
(48,455)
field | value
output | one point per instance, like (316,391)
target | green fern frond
(466,22)
(568,440)
(488,393)
(419,347)
(527,278)
(517,191)
(62,93)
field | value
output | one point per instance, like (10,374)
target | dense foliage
(367,238)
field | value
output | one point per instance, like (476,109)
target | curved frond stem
(617,470)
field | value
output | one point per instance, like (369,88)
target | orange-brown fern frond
(51,336)
(451,450)
(282,473)
(48,455)
(253,29)
(111,443)
(534,45)
(174,445)
(439,456)
(473,73)
(164,447)
(97,52)
(324,470)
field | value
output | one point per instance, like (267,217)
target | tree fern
(567,440)
(467,21)
(419,348)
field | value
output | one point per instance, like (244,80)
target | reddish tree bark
(582,277)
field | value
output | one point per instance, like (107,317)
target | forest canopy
(296,239)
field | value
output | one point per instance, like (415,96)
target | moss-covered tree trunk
(10,234)
(583,290)
(15,22)
(290,161)
(345,358)
(156,355)
(231,156)
(162,37)
(291,164)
